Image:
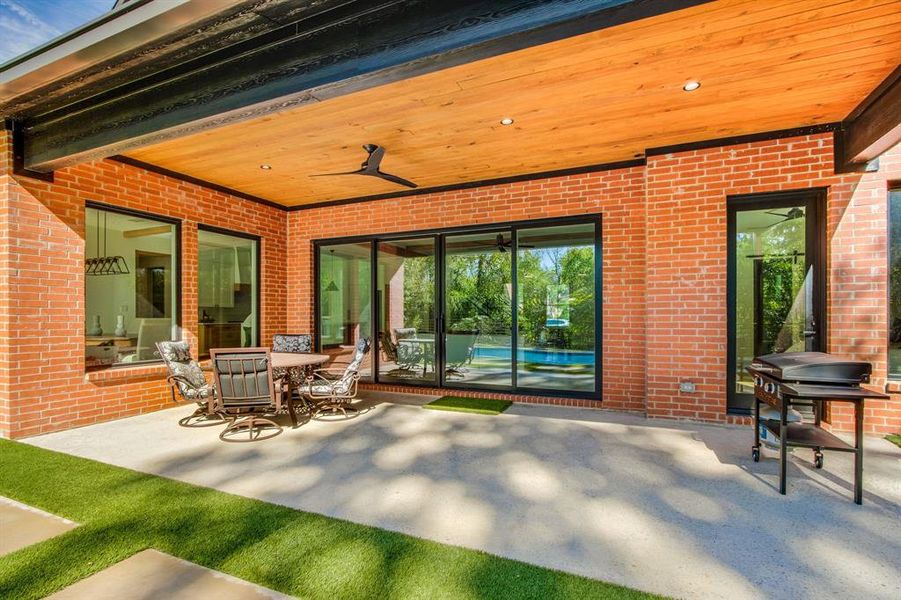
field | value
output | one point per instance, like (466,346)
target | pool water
(538,355)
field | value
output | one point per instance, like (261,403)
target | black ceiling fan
(502,245)
(793,213)
(370,167)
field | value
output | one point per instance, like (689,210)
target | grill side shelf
(807,435)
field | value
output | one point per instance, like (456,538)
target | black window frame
(177,223)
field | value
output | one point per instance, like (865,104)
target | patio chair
(331,390)
(409,355)
(458,352)
(187,378)
(391,351)
(247,393)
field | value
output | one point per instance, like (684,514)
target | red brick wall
(42,357)
(669,241)
(686,262)
(664,236)
(619,195)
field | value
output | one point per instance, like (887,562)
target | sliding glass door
(406,293)
(345,301)
(511,308)
(478,315)
(556,324)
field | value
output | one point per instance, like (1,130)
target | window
(131,286)
(227,290)
(894,351)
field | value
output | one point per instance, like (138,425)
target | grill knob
(758,381)
(769,388)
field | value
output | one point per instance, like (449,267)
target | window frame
(893,188)
(258,266)
(177,304)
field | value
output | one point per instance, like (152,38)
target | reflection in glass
(773,295)
(345,312)
(556,308)
(226,291)
(406,291)
(478,309)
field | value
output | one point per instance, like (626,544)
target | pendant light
(331,287)
(105,265)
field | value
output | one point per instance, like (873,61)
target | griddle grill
(810,379)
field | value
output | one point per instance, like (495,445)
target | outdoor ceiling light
(691,86)
(266,167)
(506,121)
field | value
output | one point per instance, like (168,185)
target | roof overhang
(156,74)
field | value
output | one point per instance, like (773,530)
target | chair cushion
(189,371)
(175,351)
(300,343)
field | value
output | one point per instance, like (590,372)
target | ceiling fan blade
(775,214)
(394,179)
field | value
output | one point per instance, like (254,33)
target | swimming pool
(538,355)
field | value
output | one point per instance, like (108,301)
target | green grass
(122,512)
(894,438)
(482,406)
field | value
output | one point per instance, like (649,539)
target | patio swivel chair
(247,393)
(297,343)
(187,379)
(331,390)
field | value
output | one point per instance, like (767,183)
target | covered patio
(601,211)
(672,508)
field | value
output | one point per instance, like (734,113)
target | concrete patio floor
(674,508)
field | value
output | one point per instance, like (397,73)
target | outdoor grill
(810,379)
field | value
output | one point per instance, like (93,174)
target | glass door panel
(407,309)
(555,275)
(775,305)
(477,309)
(345,301)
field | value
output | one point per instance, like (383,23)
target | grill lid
(814,367)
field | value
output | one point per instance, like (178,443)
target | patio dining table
(297,366)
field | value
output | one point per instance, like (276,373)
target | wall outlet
(687,386)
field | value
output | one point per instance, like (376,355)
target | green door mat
(482,406)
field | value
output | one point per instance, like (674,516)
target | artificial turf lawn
(122,512)
(894,438)
(482,406)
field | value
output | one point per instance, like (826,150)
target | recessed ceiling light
(266,167)
(691,86)
(506,121)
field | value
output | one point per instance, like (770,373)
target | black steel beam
(872,127)
(357,45)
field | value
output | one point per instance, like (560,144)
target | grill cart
(811,379)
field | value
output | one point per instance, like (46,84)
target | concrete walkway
(22,525)
(151,575)
(674,508)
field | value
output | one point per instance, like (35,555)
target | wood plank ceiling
(596,98)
